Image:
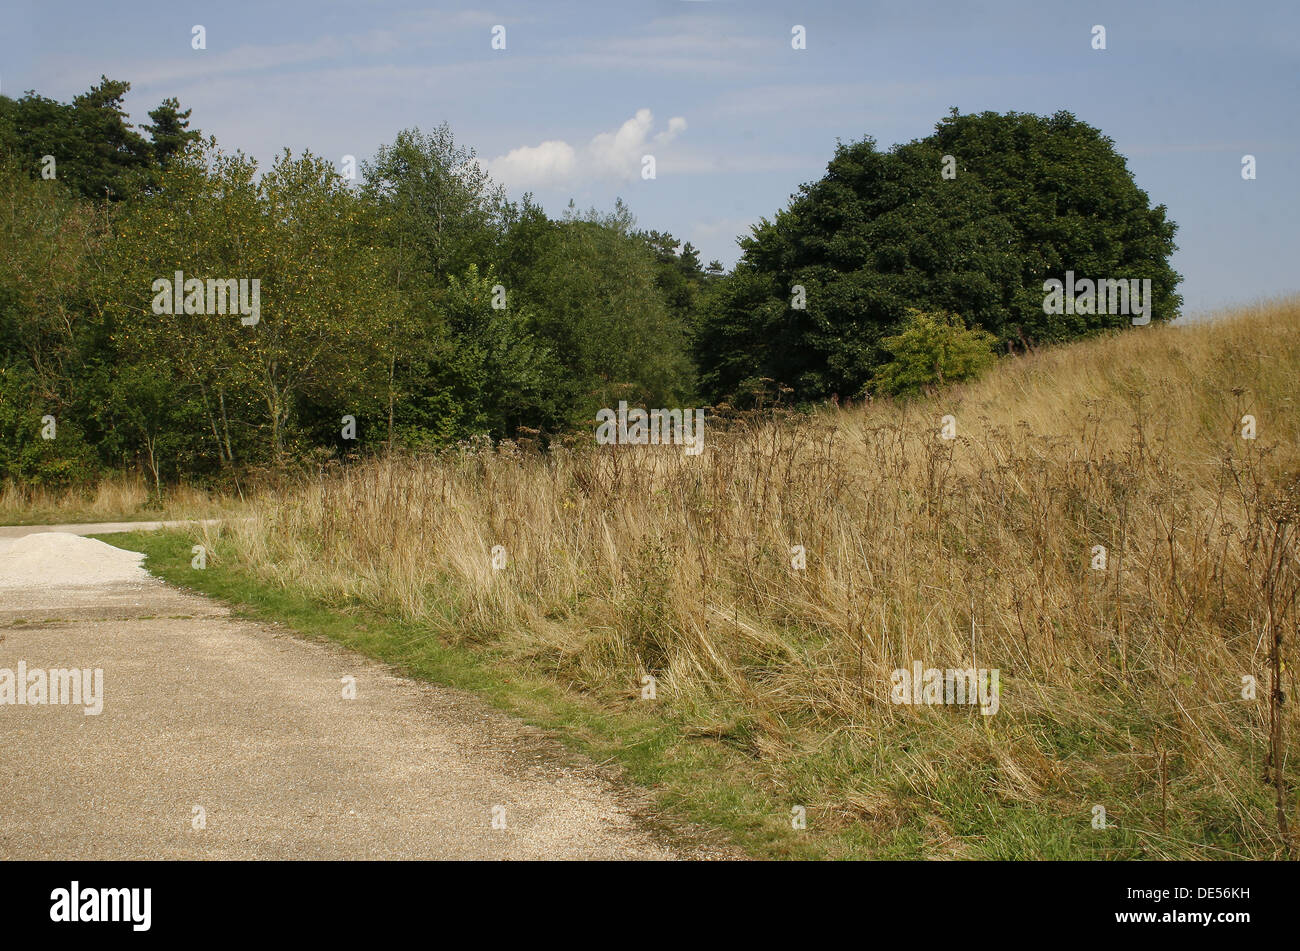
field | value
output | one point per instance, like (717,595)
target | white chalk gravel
(59,559)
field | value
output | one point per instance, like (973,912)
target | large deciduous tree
(326,305)
(970,220)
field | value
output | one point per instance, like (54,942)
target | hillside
(1121,679)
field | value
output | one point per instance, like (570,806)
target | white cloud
(676,125)
(609,155)
(528,165)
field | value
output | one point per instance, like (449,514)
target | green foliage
(883,232)
(678,274)
(740,341)
(932,350)
(170,131)
(438,205)
(377,301)
(97,153)
(46,325)
(507,374)
(435,216)
(25,455)
(1072,204)
(600,311)
(326,308)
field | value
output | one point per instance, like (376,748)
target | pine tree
(170,132)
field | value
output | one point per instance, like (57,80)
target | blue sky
(735,118)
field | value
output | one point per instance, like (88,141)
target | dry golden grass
(120,496)
(1120,687)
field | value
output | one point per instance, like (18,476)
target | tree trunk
(212,420)
(225,424)
(392,369)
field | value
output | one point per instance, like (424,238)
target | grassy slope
(1120,685)
(712,780)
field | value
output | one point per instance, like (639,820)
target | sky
(735,117)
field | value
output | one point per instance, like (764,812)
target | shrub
(932,350)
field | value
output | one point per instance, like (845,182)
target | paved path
(249,723)
(97,528)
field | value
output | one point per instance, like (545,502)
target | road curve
(223,738)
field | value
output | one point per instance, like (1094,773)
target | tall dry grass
(1121,687)
(121,495)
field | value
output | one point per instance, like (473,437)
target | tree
(821,286)
(526,231)
(96,151)
(677,274)
(441,205)
(600,311)
(507,375)
(436,213)
(205,220)
(327,303)
(1072,204)
(326,307)
(46,328)
(170,132)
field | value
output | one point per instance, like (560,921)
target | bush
(28,458)
(932,350)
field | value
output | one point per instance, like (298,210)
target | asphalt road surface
(224,738)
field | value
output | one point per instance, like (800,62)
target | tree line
(422,305)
